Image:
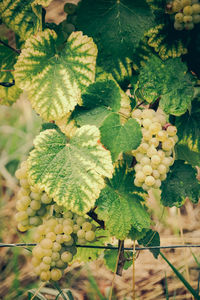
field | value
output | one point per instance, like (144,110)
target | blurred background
(18,127)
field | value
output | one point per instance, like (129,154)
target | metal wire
(107,247)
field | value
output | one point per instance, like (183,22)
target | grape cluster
(32,203)
(187,14)
(69,24)
(56,242)
(154,156)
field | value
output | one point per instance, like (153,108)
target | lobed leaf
(117,27)
(55,81)
(181,182)
(20,17)
(168,80)
(119,137)
(120,206)
(70,171)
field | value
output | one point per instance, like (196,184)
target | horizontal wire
(108,247)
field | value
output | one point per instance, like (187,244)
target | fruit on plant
(187,14)
(56,243)
(154,156)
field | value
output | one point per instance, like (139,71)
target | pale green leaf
(120,207)
(70,171)
(168,80)
(117,27)
(20,17)
(181,182)
(8,95)
(55,81)
(119,137)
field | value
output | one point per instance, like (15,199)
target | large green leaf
(119,137)
(168,80)
(8,58)
(101,106)
(181,182)
(119,205)
(70,171)
(188,125)
(116,26)
(21,17)
(101,99)
(55,81)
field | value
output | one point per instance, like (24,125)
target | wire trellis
(108,247)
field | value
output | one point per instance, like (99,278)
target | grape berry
(187,14)
(154,156)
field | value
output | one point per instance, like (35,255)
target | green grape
(66,256)
(90,236)
(187,10)
(45,275)
(189,26)
(67,229)
(68,27)
(55,256)
(178,26)
(186,2)
(149,181)
(176,6)
(46,243)
(196,19)
(196,8)
(56,274)
(179,17)
(70,8)
(187,19)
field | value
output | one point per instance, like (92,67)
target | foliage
(78,76)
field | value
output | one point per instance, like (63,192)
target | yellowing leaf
(55,81)
(70,171)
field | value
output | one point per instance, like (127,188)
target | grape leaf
(188,125)
(181,182)
(120,206)
(99,101)
(168,80)
(116,26)
(120,137)
(55,81)
(110,259)
(8,95)
(21,17)
(151,239)
(70,171)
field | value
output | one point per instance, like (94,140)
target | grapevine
(116,86)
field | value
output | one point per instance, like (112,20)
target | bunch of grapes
(187,14)
(69,24)
(56,242)
(32,203)
(154,156)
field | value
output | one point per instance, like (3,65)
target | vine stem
(114,275)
